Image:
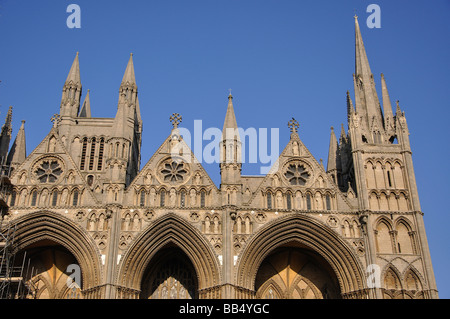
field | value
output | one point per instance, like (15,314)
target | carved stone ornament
(173,171)
(48,170)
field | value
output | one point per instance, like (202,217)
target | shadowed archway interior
(170,275)
(47,273)
(295,272)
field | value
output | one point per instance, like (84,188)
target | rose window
(297,174)
(48,170)
(174,171)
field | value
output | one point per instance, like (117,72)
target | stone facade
(165,230)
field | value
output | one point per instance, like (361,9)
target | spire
(86,108)
(129,72)
(332,152)
(70,101)
(367,103)
(5,135)
(231,142)
(362,66)
(128,103)
(343,137)
(230,118)
(18,152)
(350,108)
(74,73)
(387,107)
(398,111)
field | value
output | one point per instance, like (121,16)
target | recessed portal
(296,273)
(170,275)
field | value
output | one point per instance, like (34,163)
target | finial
(56,118)
(77,53)
(229,95)
(293,125)
(176,119)
(332,128)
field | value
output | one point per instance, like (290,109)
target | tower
(125,139)
(380,157)
(230,153)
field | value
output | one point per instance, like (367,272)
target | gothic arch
(45,225)
(383,230)
(306,231)
(170,229)
(413,280)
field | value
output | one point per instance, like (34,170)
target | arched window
(142,198)
(92,156)
(328,202)
(75,198)
(308,201)
(288,201)
(34,198)
(54,198)
(183,198)
(12,202)
(163,197)
(269,200)
(100,154)
(90,180)
(202,198)
(83,154)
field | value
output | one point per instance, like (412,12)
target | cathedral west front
(89,221)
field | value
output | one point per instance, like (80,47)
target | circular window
(297,174)
(174,171)
(48,170)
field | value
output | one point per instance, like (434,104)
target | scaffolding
(13,284)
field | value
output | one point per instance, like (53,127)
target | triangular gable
(296,152)
(152,174)
(51,147)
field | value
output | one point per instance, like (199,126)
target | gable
(173,168)
(48,170)
(297,172)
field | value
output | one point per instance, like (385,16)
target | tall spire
(18,152)
(129,72)
(86,108)
(230,118)
(70,101)
(230,147)
(367,103)
(362,66)
(350,108)
(74,73)
(387,107)
(5,135)
(332,152)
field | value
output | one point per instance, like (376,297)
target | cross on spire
(293,125)
(56,118)
(176,119)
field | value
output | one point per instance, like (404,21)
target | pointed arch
(412,280)
(383,231)
(405,239)
(45,225)
(174,230)
(305,231)
(392,286)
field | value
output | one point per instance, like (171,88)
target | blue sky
(282,59)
